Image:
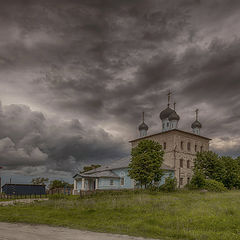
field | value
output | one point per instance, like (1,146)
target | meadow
(178,215)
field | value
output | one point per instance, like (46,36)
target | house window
(122,181)
(167,124)
(181,145)
(189,146)
(111,182)
(195,147)
(188,163)
(181,163)
(181,181)
(164,145)
(201,149)
(188,180)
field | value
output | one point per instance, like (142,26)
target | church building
(180,149)
(180,146)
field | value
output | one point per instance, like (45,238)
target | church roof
(143,126)
(166,132)
(196,124)
(166,113)
(173,116)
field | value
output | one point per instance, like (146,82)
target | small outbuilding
(23,189)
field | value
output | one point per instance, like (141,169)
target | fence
(64,191)
(17,196)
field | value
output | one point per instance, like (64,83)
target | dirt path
(9,231)
(30,200)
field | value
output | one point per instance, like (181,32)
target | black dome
(143,126)
(196,124)
(173,116)
(166,113)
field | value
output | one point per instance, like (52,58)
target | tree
(210,165)
(146,161)
(59,184)
(231,177)
(91,167)
(40,181)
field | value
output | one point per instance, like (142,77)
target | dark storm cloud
(104,62)
(28,140)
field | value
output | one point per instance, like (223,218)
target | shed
(23,189)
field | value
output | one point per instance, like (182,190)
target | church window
(122,181)
(188,163)
(182,145)
(189,146)
(181,181)
(195,147)
(181,163)
(111,182)
(164,145)
(188,180)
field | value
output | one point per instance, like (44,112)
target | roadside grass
(178,215)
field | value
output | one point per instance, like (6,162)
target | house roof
(176,130)
(105,171)
(101,174)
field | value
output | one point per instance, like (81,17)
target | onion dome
(166,113)
(196,124)
(143,126)
(173,116)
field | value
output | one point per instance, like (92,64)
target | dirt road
(9,231)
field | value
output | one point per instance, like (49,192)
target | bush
(57,196)
(170,185)
(198,181)
(214,186)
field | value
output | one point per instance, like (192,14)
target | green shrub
(214,186)
(57,196)
(198,181)
(170,185)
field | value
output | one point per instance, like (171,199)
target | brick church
(180,146)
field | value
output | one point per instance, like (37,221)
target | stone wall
(180,146)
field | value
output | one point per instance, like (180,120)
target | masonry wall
(180,147)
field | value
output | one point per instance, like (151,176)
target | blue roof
(105,171)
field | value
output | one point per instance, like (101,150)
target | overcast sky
(76,75)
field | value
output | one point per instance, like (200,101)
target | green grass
(178,215)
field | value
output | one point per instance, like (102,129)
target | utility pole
(0,182)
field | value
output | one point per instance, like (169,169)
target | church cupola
(143,127)
(173,118)
(164,115)
(196,125)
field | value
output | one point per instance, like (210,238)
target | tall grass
(177,215)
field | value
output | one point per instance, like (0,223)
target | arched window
(181,163)
(188,163)
(189,146)
(181,145)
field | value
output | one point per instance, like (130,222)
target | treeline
(222,172)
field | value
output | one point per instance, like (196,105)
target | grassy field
(178,215)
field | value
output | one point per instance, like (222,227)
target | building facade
(111,177)
(180,149)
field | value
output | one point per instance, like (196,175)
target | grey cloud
(103,63)
(29,139)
